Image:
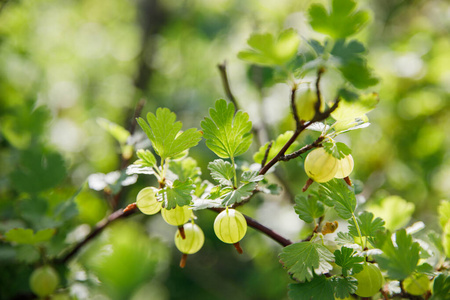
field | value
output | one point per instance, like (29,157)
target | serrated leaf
(117,131)
(318,288)
(344,238)
(338,194)
(199,204)
(165,135)
(146,158)
(277,145)
(345,257)
(177,194)
(185,169)
(338,150)
(221,171)
(344,286)
(225,135)
(308,208)
(444,212)
(251,176)
(27,236)
(367,224)
(441,287)
(239,194)
(38,171)
(342,21)
(400,260)
(394,210)
(266,50)
(305,259)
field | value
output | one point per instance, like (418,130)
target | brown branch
(261,228)
(99,227)
(298,122)
(319,96)
(303,150)
(226,84)
(266,154)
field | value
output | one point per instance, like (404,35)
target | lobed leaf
(221,171)
(27,236)
(337,194)
(308,208)
(317,289)
(345,258)
(225,135)
(180,193)
(237,195)
(165,135)
(305,259)
(367,224)
(338,150)
(344,286)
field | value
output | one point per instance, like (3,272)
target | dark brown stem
(118,214)
(238,248)
(294,106)
(181,231)
(307,184)
(348,181)
(183,260)
(266,154)
(226,84)
(302,150)
(319,96)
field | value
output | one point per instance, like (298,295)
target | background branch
(226,84)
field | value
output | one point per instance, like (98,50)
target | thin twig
(226,84)
(118,214)
(266,154)
(319,96)
(303,150)
(263,229)
(294,106)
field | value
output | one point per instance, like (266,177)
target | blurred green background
(65,63)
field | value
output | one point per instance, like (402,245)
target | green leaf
(441,287)
(165,134)
(226,136)
(305,259)
(349,111)
(237,195)
(251,176)
(146,158)
(281,140)
(26,236)
(117,131)
(344,286)
(308,208)
(444,212)
(394,210)
(446,239)
(186,169)
(367,224)
(345,258)
(266,50)
(180,193)
(221,171)
(318,288)
(338,150)
(338,194)
(344,238)
(273,189)
(38,171)
(342,21)
(399,260)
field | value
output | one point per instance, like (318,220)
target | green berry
(370,280)
(230,226)
(417,284)
(147,202)
(320,165)
(43,281)
(193,241)
(176,216)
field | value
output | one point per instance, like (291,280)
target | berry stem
(181,231)
(348,181)
(183,260)
(307,184)
(238,248)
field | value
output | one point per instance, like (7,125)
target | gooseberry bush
(350,252)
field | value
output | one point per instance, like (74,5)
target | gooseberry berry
(147,202)
(305,104)
(320,165)
(43,281)
(345,167)
(193,241)
(369,280)
(230,226)
(176,216)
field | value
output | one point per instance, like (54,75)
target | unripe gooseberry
(345,167)
(176,216)
(147,202)
(305,104)
(230,226)
(193,241)
(416,284)
(43,281)
(370,280)
(320,165)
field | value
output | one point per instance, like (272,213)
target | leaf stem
(234,171)
(359,231)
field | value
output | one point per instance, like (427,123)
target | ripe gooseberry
(147,202)
(43,281)
(369,280)
(345,167)
(176,216)
(193,241)
(320,165)
(230,227)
